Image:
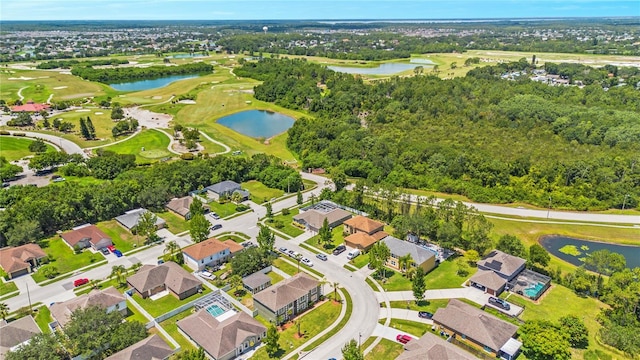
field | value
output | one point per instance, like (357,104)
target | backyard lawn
(231,237)
(169,325)
(64,259)
(311,324)
(445,276)
(261,193)
(122,239)
(286,221)
(15,148)
(134,315)
(275,278)
(411,327)
(166,303)
(7,287)
(175,223)
(337,236)
(43,318)
(386,349)
(148,146)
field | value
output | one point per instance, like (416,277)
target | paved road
(68,146)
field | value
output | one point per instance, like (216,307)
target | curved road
(68,146)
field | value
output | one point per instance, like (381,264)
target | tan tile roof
(286,292)
(108,297)
(488,279)
(234,247)
(151,348)
(180,205)
(15,258)
(220,338)
(315,218)
(363,223)
(501,262)
(17,332)
(432,347)
(169,274)
(363,239)
(92,232)
(475,324)
(205,249)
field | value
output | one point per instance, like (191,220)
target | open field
(148,146)
(15,148)
(260,192)
(101,119)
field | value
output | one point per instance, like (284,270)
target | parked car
(283,250)
(307,262)
(105,251)
(499,303)
(403,338)
(160,262)
(353,254)
(111,248)
(5,184)
(339,250)
(322,257)
(80,282)
(291,253)
(425,314)
(118,253)
(216,227)
(60,179)
(214,215)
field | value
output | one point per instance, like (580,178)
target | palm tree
(135,267)
(335,289)
(410,273)
(94,283)
(118,272)
(298,322)
(4,311)
(172,247)
(235,281)
(405,262)
(298,258)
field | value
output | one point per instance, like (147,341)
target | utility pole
(549,210)
(624,202)
(29,297)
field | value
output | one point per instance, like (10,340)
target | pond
(573,250)
(382,69)
(257,123)
(186,56)
(140,85)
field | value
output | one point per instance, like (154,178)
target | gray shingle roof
(402,248)
(256,279)
(315,218)
(286,292)
(170,274)
(151,348)
(432,347)
(17,332)
(224,187)
(130,218)
(501,262)
(475,324)
(108,297)
(488,279)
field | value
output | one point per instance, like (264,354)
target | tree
(511,245)
(299,197)
(266,240)
(38,146)
(378,256)
(351,351)
(298,322)
(249,261)
(4,311)
(172,248)
(91,129)
(542,340)
(119,273)
(199,228)
(235,282)
(196,207)
(454,65)
(23,232)
(271,341)
(83,129)
(605,262)
(324,234)
(538,255)
(463,267)
(42,346)
(117,113)
(298,258)
(49,271)
(405,262)
(146,225)
(472,256)
(196,354)
(418,285)
(269,210)
(339,179)
(236,197)
(578,332)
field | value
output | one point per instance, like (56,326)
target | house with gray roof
(109,299)
(286,299)
(477,328)
(226,339)
(256,282)
(503,264)
(226,189)
(488,281)
(422,257)
(313,219)
(16,333)
(152,279)
(151,348)
(131,218)
(432,347)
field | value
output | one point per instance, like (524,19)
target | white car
(307,262)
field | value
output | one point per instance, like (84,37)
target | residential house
(313,219)
(16,333)
(210,252)
(109,299)
(151,348)
(286,299)
(226,189)
(20,260)
(131,218)
(256,282)
(432,347)
(152,279)
(422,257)
(488,281)
(85,236)
(226,338)
(503,264)
(364,241)
(477,328)
(182,206)
(362,224)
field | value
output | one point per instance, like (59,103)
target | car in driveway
(216,227)
(214,215)
(111,248)
(339,250)
(104,251)
(425,315)
(307,262)
(403,338)
(322,257)
(291,253)
(499,303)
(80,282)
(283,250)
(118,253)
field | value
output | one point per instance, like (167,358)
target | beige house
(503,264)
(210,252)
(21,260)
(226,339)
(85,236)
(313,219)
(422,257)
(16,333)
(488,281)
(109,299)
(182,206)
(152,279)
(151,348)
(284,300)
(433,347)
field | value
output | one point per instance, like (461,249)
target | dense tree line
(32,213)
(67,64)
(135,73)
(490,139)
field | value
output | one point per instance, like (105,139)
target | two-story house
(421,257)
(286,299)
(361,232)
(210,252)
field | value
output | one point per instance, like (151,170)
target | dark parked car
(118,253)
(499,303)
(322,257)
(105,251)
(216,227)
(339,250)
(425,314)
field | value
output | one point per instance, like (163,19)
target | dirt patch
(60,87)
(74,96)
(148,118)
(157,97)
(190,102)
(21,78)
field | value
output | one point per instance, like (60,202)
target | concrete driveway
(404,314)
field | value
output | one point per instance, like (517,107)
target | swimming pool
(215,310)
(534,290)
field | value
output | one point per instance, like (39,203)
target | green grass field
(15,148)
(101,120)
(424,305)
(175,223)
(166,303)
(223,210)
(43,318)
(64,258)
(336,235)
(169,325)
(411,327)
(261,193)
(286,221)
(148,146)
(445,276)
(7,287)
(386,349)
(122,239)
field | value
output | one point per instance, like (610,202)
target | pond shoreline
(554,243)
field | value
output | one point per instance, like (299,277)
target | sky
(309,9)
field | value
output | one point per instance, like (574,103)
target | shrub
(4,132)
(19,134)
(187,156)
(241,207)
(285,211)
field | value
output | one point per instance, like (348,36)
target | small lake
(186,56)
(554,243)
(382,69)
(257,123)
(140,85)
